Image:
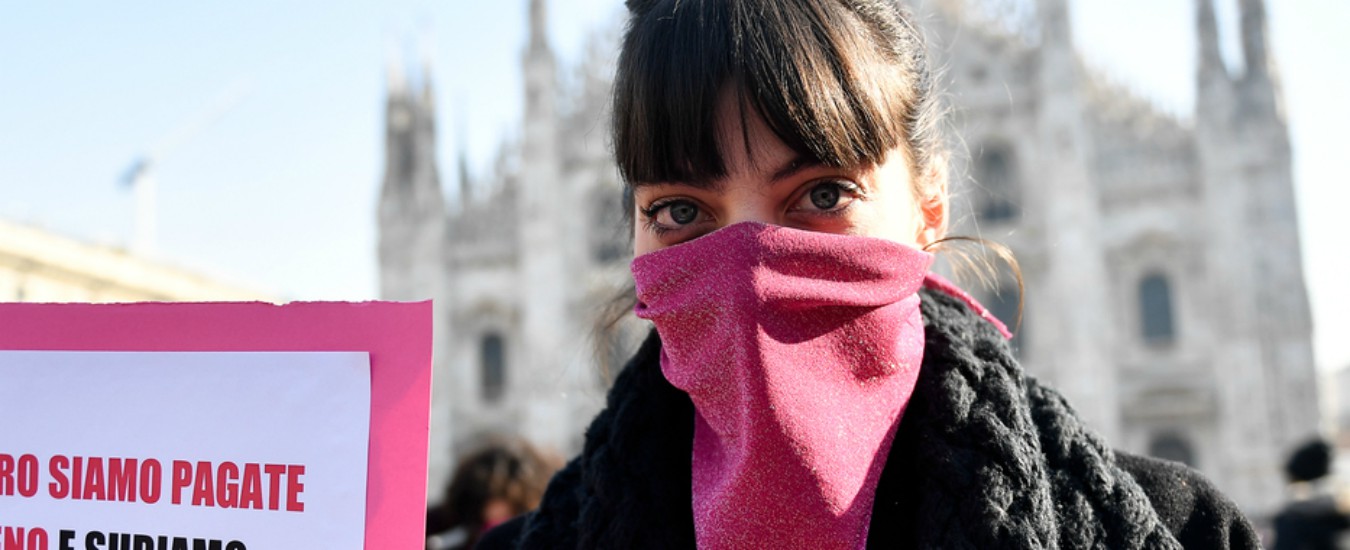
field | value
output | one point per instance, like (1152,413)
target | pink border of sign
(397,336)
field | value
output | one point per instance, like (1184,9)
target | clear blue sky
(279,193)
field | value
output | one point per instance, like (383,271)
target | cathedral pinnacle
(1207,32)
(395,76)
(1054,20)
(466,182)
(538,26)
(426,52)
(1254,38)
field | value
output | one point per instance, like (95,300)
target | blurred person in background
(1315,517)
(787,180)
(500,480)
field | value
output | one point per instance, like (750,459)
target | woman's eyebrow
(797,164)
(704,185)
(793,166)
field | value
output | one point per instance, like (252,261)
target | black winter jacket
(985,457)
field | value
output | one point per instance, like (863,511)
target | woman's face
(768,182)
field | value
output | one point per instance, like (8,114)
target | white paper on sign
(266,449)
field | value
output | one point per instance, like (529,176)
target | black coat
(985,457)
(1312,524)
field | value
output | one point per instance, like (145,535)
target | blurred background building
(1164,288)
(521,268)
(41,266)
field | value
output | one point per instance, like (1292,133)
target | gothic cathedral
(1164,288)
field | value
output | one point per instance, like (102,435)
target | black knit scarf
(984,458)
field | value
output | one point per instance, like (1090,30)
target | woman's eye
(682,212)
(828,196)
(672,214)
(825,197)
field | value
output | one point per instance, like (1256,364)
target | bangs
(824,80)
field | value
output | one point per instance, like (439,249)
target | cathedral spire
(426,53)
(540,75)
(462,160)
(1054,19)
(1207,31)
(538,26)
(1254,48)
(395,76)
(1260,86)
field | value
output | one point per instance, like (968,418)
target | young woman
(809,384)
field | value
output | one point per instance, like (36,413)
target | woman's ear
(932,201)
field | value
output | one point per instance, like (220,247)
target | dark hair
(506,469)
(1310,462)
(841,82)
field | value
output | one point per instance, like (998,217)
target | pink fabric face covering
(799,350)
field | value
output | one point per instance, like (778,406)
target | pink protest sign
(337,364)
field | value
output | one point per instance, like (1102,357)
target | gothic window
(1170,446)
(1155,310)
(492,358)
(996,174)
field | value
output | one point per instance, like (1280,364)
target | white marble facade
(1164,287)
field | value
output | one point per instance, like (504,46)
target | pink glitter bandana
(799,350)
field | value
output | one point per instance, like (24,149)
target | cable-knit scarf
(985,458)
